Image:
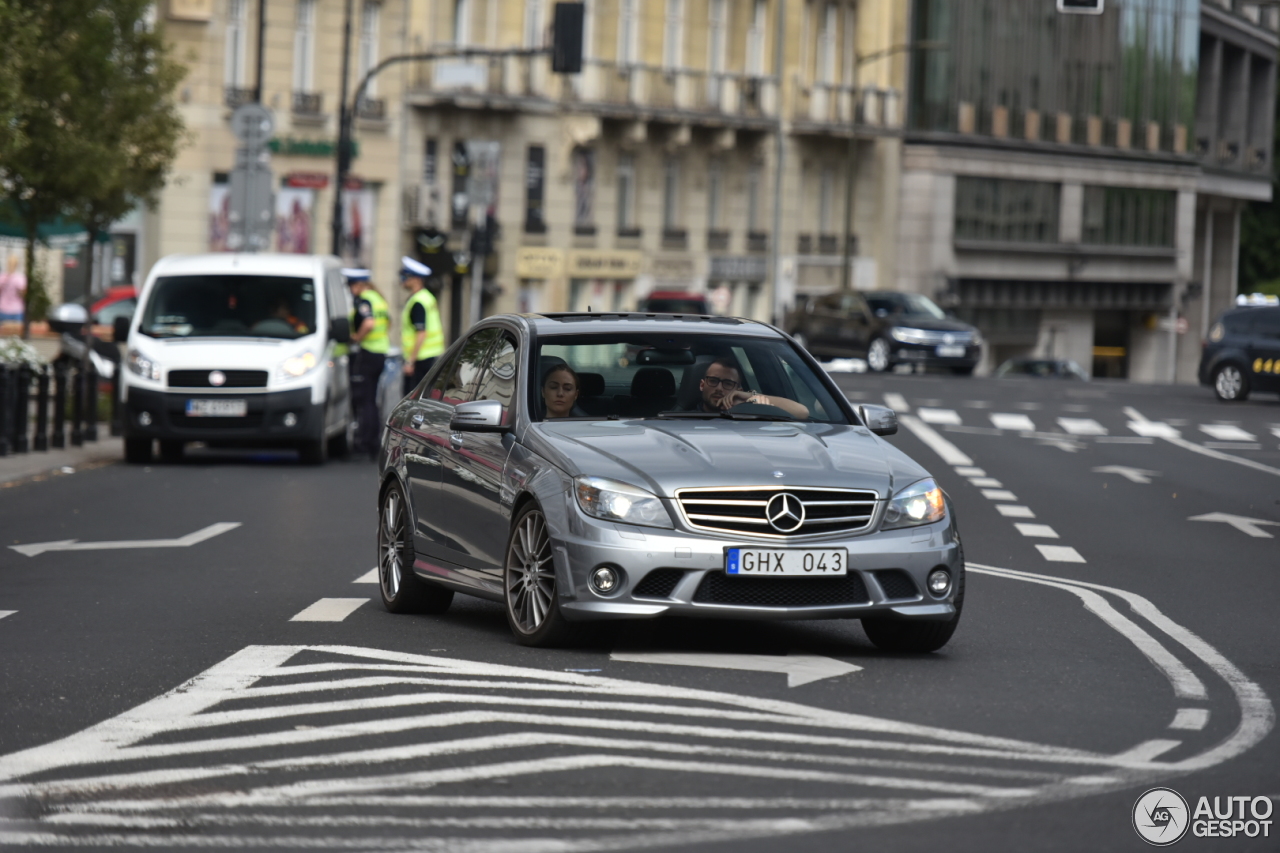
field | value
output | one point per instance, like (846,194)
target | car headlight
(298,365)
(908,336)
(1216,332)
(615,501)
(919,503)
(140,365)
(977,339)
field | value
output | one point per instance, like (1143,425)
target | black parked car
(1242,353)
(886,328)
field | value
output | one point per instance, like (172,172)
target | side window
(830,302)
(458,380)
(339,297)
(499,381)
(1267,325)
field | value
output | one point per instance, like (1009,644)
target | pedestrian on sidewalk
(13,284)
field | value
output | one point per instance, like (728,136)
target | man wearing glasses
(721,388)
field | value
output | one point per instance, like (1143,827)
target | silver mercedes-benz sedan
(583,467)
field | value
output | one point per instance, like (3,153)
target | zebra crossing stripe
(1015,422)
(330,610)
(1082,426)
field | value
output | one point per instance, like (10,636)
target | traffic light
(566,38)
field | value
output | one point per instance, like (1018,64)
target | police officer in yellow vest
(422,336)
(370,340)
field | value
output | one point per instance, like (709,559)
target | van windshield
(230,306)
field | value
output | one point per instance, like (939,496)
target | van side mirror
(340,330)
(478,416)
(120,329)
(879,419)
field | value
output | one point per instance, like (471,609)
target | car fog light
(144,418)
(939,582)
(290,420)
(604,579)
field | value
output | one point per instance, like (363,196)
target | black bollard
(90,401)
(41,442)
(22,410)
(5,414)
(60,379)
(77,406)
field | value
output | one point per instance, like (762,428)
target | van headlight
(298,365)
(919,503)
(140,365)
(612,500)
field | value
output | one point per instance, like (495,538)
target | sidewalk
(17,467)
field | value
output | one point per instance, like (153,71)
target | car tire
(878,356)
(905,635)
(341,445)
(530,595)
(171,452)
(402,590)
(137,451)
(963,371)
(1230,383)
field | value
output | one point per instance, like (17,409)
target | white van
(238,350)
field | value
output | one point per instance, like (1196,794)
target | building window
(671,194)
(304,46)
(461,22)
(673,37)
(628,32)
(584,189)
(626,192)
(715,193)
(850,49)
(533,25)
(826,190)
(718,25)
(827,45)
(1126,216)
(370,20)
(1005,210)
(755,216)
(236,42)
(755,39)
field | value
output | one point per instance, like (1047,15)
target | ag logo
(1161,816)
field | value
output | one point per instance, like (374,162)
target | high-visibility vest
(433,343)
(379,338)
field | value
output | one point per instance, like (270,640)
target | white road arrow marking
(799,669)
(1227,432)
(1133,475)
(1239,522)
(4,613)
(74,545)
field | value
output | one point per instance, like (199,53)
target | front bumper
(927,354)
(265,423)
(673,572)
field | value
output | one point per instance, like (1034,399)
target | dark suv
(886,328)
(1242,353)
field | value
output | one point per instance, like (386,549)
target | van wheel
(341,444)
(171,452)
(1230,384)
(314,452)
(137,451)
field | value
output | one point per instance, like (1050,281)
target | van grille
(745,510)
(235,379)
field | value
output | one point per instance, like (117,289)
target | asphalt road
(168,697)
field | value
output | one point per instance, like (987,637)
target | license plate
(951,352)
(217,408)
(778,562)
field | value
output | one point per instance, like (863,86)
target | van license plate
(951,352)
(778,562)
(217,408)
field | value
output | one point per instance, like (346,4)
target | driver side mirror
(120,329)
(340,330)
(879,419)
(478,416)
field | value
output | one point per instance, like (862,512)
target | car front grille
(720,588)
(252,420)
(896,584)
(659,583)
(746,510)
(234,379)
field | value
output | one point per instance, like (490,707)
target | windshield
(230,306)
(659,375)
(908,304)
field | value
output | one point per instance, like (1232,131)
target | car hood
(666,455)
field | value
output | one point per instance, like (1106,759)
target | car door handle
(455,440)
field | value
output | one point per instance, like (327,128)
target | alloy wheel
(391,545)
(878,355)
(531,579)
(1228,382)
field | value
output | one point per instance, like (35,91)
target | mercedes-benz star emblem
(784,512)
(217,378)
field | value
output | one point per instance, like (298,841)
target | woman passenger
(560,389)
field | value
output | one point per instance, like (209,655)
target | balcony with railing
(371,109)
(826,108)
(234,96)
(308,104)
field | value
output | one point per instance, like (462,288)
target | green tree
(1259,269)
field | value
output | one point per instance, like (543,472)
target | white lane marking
(986,482)
(1186,684)
(4,613)
(1227,432)
(1174,437)
(799,669)
(1042,531)
(1190,719)
(1060,553)
(950,454)
(370,576)
(939,416)
(1153,429)
(973,430)
(1149,750)
(1133,475)
(1275,430)
(1082,426)
(1125,439)
(970,471)
(330,610)
(999,495)
(897,402)
(1018,423)
(187,541)
(1240,522)
(1015,511)
(1232,445)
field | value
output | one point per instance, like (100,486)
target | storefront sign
(600,263)
(307,180)
(678,268)
(738,268)
(288,146)
(537,262)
